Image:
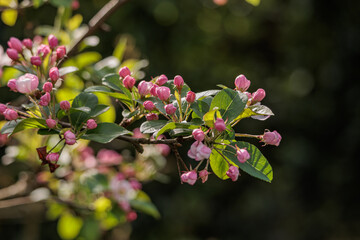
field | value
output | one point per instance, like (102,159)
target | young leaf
(66,70)
(82,100)
(218,165)
(172,125)
(200,108)
(145,207)
(152,126)
(105,133)
(13,127)
(257,166)
(207,93)
(105,90)
(112,81)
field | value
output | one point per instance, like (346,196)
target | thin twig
(177,155)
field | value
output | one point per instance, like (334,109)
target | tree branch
(99,18)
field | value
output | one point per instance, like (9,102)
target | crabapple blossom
(124,71)
(271,138)
(189,177)
(129,82)
(10,114)
(204,174)
(199,151)
(91,124)
(53,41)
(242,155)
(152,117)
(163,93)
(65,105)
(149,105)
(70,137)
(27,42)
(144,88)
(258,96)
(13,54)
(12,85)
(178,82)
(242,83)
(15,44)
(220,125)
(60,52)
(45,99)
(198,135)
(190,97)
(170,109)
(53,157)
(27,83)
(54,74)
(161,80)
(43,50)
(35,60)
(233,173)
(51,123)
(2,108)
(47,87)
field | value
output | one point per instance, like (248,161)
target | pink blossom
(45,99)
(190,97)
(136,185)
(47,87)
(271,138)
(122,190)
(2,108)
(144,88)
(220,125)
(242,83)
(10,114)
(12,85)
(36,60)
(109,157)
(233,173)
(60,52)
(16,44)
(53,41)
(242,155)
(54,74)
(164,149)
(178,82)
(27,42)
(258,96)
(65,105)
(70,137)
(163,93)
(170,109)
(137,133)
(149,105)
(27,83)
(13,54)
(189,177)
(129,82)
(124,71)
(153,90)
(199,151)
(131,216)
(198,135)
(51,123)
(203,174)
(91,124)
(43,50)
(161,80)
(75,5)
(53,157)
(152,117)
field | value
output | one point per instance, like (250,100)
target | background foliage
(303,54)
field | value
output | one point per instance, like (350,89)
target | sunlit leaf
(9,17)
(69,226)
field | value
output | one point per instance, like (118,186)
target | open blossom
(53,41)
(53,157)
(27,83)
(60,52)
(70,137)
(258,96)
(199,151)
(161,80)
(12,85)
(65,105)
(189,177)
(124,71)
(178,81)
(51,123)
(122,190)
(129,82)
(12,53)
(163,93)
(271,138)
(204,174)
(242,155)
(45,99)
(152,117)
(144,88)
(233,173)
(91,124)
(170,109)
(190,97)
(220,125)
(10,114)
(242,83)
(198,135)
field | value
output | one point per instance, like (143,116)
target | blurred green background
(305,55)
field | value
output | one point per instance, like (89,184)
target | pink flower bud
(149,105)
(16,44)
(241,83)
(220,125)
(163,93)
(124,71)
(164,149)
(43,50)
(109,157)
(248,95)
(242,155)
(65,105)
(189,177)
(203,174)
(271,138)
(53,41)
(144,88)
(129,82)
(2,108)
(75,5)
(12,85)
(45,99)
(153,90)
(198,135)
(233,173)
(12,53)
(36,61)
(54,74)
(170,109)
(10,114)
(51,123)
(190,97)
(91,124)
(70,137)
(53,157)
(27,42)
(131,216)
(258,96)
(47,87)
(161,80)
(27,83)
(178,81)
(60,52)
(199,151)
(135,184)
(152,117)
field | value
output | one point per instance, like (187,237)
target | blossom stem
(246,135)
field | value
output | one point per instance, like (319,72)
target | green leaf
(61,3)
(66,70)
(82,100)
(128,114)
(172,125)
(120,48)
(209,117)
(69,226)
(105,133)
(230,103)
(146,206)
(256,110)
(206,93)
(200,108)
(99,109)
(9,126)
(47,132)
(105,90)
(152,126)
(113,82)
(218,165)
(257,166)
(13,127)
(9,17)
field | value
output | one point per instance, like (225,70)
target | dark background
(305,55)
